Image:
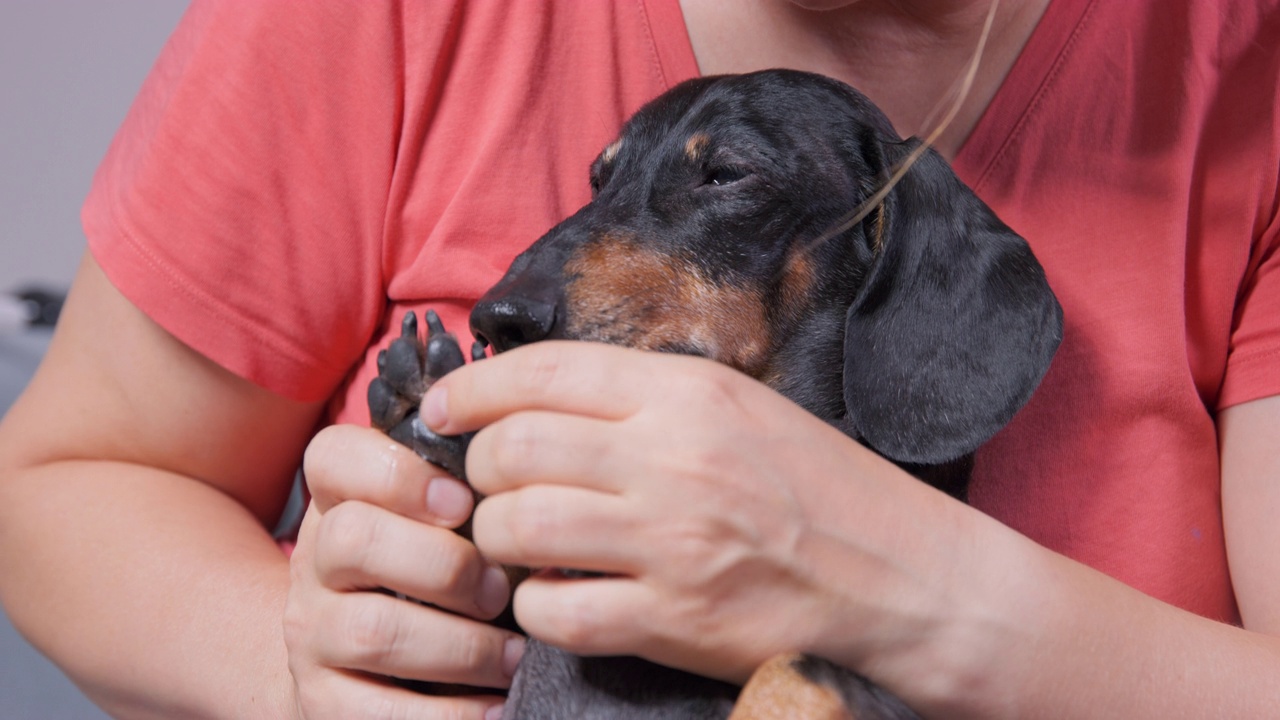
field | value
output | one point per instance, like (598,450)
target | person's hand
(730,524)
(382,520)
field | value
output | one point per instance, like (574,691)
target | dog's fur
(919,331)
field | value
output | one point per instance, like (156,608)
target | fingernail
(494,713)
(433,410)
(512,651)
(495,591)
(448,499)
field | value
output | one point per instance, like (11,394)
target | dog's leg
(405,370)
(803,687)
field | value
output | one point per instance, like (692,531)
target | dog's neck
(906,55)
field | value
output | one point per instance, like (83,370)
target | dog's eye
(725,175)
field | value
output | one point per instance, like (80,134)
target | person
(293,178)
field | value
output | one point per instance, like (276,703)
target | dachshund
(716,228)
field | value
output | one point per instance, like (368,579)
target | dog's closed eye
(725,175)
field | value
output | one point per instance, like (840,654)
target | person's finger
(559,526)
(590,379)
(384,635)
(347,462)
(533,446)
(360,547)
(586,616)
(622,616)
(351,696)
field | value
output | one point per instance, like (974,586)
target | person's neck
(906,55)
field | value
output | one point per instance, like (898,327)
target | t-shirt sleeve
(242,203)
(1253,363)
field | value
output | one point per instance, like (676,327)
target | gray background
(68,71)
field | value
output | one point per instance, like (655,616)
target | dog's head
(920,330)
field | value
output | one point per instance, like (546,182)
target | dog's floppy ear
(955,325)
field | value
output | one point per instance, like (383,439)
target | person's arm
(1090,646)
(136,481)
(1249,440)
(732,526)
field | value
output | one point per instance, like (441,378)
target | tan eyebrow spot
(695,145)
(611,151)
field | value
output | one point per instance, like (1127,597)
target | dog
(919,331)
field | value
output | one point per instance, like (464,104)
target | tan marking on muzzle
(621,293)
(796,288)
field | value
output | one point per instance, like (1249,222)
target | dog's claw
(409,326)
(434,325)
(406,368)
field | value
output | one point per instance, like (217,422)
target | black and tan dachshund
(919,331)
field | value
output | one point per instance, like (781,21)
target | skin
(905,55)
(136,478)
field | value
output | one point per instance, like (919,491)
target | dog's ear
(954,326)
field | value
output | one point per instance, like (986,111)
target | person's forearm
(158,595)
(1090,646)
(1025,632)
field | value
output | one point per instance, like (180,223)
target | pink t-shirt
(1137,146)
(294,176)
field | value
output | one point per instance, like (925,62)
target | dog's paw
(405,370)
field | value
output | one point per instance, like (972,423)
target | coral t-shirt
(294,176)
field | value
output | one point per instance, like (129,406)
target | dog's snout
(510,321)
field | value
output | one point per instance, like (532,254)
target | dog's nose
(510,321)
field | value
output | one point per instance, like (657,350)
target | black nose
(510,321)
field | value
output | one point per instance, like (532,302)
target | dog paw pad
(406,368)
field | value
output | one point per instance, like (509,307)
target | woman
(292,178)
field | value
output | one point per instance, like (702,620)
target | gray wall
(68,71)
